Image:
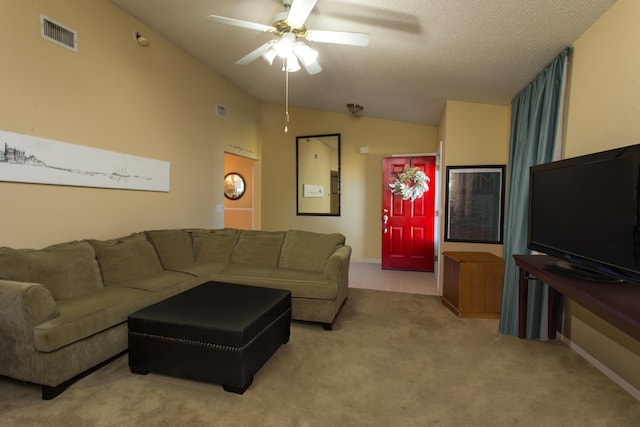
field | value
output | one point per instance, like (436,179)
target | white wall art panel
(311,190)
(30,159)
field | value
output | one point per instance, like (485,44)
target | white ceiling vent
(55,32)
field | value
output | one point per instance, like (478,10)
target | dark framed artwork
(474,208)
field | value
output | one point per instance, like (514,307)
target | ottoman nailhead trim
(185,341)
(207,344)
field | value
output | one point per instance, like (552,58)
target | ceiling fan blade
(299,12)
(313,68)
(240,23)
(252,56)
(338,37)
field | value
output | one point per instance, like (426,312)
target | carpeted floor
(393,359)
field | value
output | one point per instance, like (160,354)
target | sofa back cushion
(214,245)
(126,259)
(66,269)
(305,250)
(258,248)
(174,247)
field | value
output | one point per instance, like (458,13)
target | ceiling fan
(290,26)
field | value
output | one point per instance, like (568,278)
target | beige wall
(155,102)
(603,108)
(472,134)
(361,184)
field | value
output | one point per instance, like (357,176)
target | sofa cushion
(203,268)
(258,248)
(159,281)
(302,284)
(174,247)
(66,269)
(125,259)
(305,284)
(214,245)
(89,314)
(305,250)
(245,270)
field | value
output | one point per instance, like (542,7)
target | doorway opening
(239,212)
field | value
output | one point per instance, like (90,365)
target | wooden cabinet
(472,285)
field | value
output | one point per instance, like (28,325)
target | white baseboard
(601,367)
(367,260)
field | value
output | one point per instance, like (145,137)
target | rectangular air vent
(58,34)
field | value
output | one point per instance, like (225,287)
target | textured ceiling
(421,52)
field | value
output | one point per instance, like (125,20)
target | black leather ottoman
(217,332)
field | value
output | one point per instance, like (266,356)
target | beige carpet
(394,359)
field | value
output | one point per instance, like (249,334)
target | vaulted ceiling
(421,52)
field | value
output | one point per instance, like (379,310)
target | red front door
(407,227)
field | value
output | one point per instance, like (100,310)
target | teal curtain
(534,122)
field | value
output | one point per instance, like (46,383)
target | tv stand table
(617,303)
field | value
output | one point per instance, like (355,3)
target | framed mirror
(318,174)
(234,186)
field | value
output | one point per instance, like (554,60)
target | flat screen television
(584,211)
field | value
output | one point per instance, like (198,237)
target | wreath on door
(410,184)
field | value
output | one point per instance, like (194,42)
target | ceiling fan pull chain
(286,102)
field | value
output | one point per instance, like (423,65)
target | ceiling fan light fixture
(292,65)
(269,56)
(307,55)
(284,47)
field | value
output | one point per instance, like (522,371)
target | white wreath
(411,184)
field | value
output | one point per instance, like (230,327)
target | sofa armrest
(337,266)
(22,306)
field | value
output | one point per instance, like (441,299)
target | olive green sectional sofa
(64,309)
